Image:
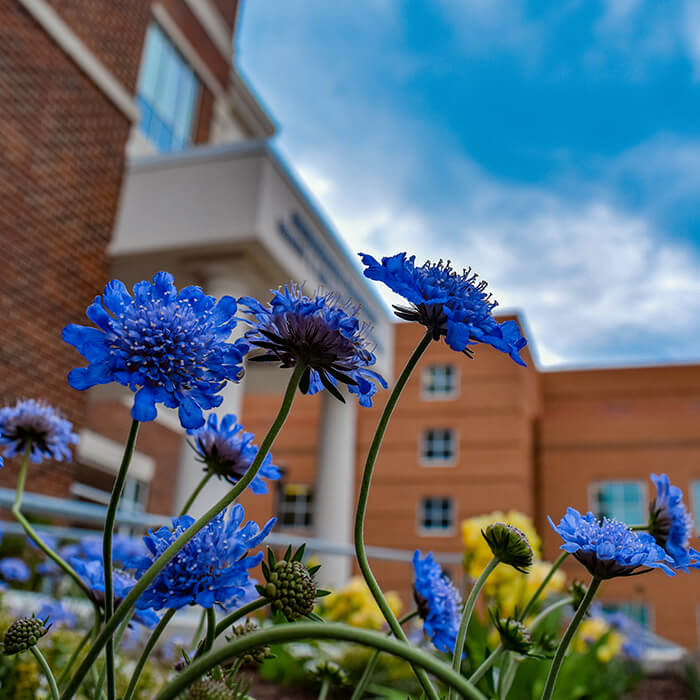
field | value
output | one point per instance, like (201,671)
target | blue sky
(552,146)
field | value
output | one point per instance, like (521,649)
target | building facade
(131,144)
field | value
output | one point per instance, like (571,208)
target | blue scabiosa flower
(211,568)
(321,332)
(32,422)
(14,569)
(226,451)
(671,525)
(447,303)
(607,547)
(57,614)
(93,573)
(438,602)
(168,347)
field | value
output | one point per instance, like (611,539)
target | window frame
(281,495)
(438,461)
(645,605)
(695,503)
(428,395)
(423,531)
(594,488)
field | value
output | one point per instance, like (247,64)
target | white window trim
(101,453)
(287,526)
(428,532)
(451,396)
(74,47)
(437,462)
(213,23)
(696,507)
(592,486)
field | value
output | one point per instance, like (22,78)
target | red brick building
(201,193)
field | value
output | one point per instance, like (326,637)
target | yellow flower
(355,606)
(594,629)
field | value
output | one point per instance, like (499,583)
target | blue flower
(226,451)
(322,333)
(32,422)
(608,548)
(211,568)
(57,614)
(14,569)
(438,602)
(449,304)
(93,574)
(124,549)
(671,525)
(168,347)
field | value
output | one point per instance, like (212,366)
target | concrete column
(334,495)
(220,279)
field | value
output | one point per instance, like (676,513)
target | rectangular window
(637,612)
(624,500)
(295,506)
(436,515)
(167,93)
(695,503)
(438,446)
(439,382)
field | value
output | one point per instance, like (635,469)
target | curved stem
(363,497)
(117,489)
(166,557)
(467,615)
(486,664)
(533,599)
(31,533)
(211,628)
(76,653)
(323,693)
(372,663)
(236,615)
(198,632)
(150,644)
(196,493)
(47,671)
(279,634)
(548,611)
(568,636)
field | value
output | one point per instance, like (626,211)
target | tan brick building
(201,193)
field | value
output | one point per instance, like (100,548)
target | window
(436,515)
(637,612)
(439,382)
(438,446)
(295,507)
(695,503)
(624,500)
(167,93)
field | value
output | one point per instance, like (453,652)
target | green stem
(117,640)
(486,664)
(568,636)
(117,489)
(467,615)
(279,634)
(548,611)
(31,533)
(47,671)
(533,599)
(236,615)
(76,653)
(324,689)
(372,454)
(211,628)
(367,674)
(506,679)
(196,493)
(150,644)
(198,631)
(167,556)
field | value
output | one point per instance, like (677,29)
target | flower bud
(23,634)
(255,655)
(577,590)
(509,545)
(209,689)
(514,635)
(329,671)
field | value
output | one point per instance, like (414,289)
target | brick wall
(61,162)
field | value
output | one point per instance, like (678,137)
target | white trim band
(213,23)
(69,41)
(99,452)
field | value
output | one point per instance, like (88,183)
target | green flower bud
(509,545)
(23,634)
(253,656)
(329,671)
(209,689)
(514,635)
(577,590)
